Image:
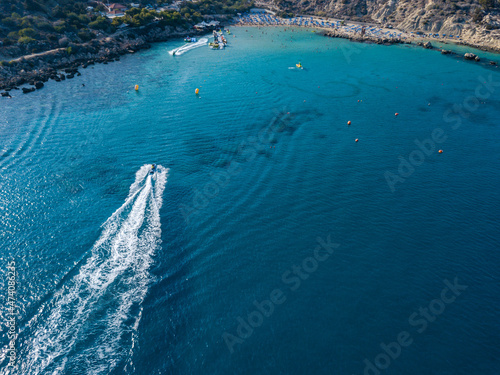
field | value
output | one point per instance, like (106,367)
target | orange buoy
(440,151)
(197,91)
(136,87)
(349,122)
(396,114)
(356,139)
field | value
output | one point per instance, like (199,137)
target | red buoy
(356,139)
(349,122)
(396,114)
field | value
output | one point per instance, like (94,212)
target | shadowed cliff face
(478,21)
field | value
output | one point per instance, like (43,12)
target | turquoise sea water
(121,273)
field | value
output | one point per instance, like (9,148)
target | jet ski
(153,169)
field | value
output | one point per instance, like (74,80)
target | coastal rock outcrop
(364,38)
(38,85)
(58,64)
(470,56)
(43,66)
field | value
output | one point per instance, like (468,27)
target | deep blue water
(122,273)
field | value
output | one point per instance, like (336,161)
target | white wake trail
(188,47)
(90,323)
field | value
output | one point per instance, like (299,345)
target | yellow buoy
(136,87)
(197,91)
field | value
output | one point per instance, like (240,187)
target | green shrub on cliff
(25,22)
(217,6)
(285,14)
(45,26)
(100,23)
(9,22)
(58,12)
(25,40)
(61,29)
(33,6)
(171,18)
(132,12)
(85,35)
(139,17)
(117,21)
(28,32)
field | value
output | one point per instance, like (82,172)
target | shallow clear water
(119,273)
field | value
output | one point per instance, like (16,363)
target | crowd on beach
(340,27)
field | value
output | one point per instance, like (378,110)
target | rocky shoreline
(60,65)
(390,41)
(367,38)
(364,38)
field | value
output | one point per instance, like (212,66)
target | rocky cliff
(476,21)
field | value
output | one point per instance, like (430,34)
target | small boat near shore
(219,42)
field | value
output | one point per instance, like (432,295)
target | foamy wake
(188,47)
(90,323)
